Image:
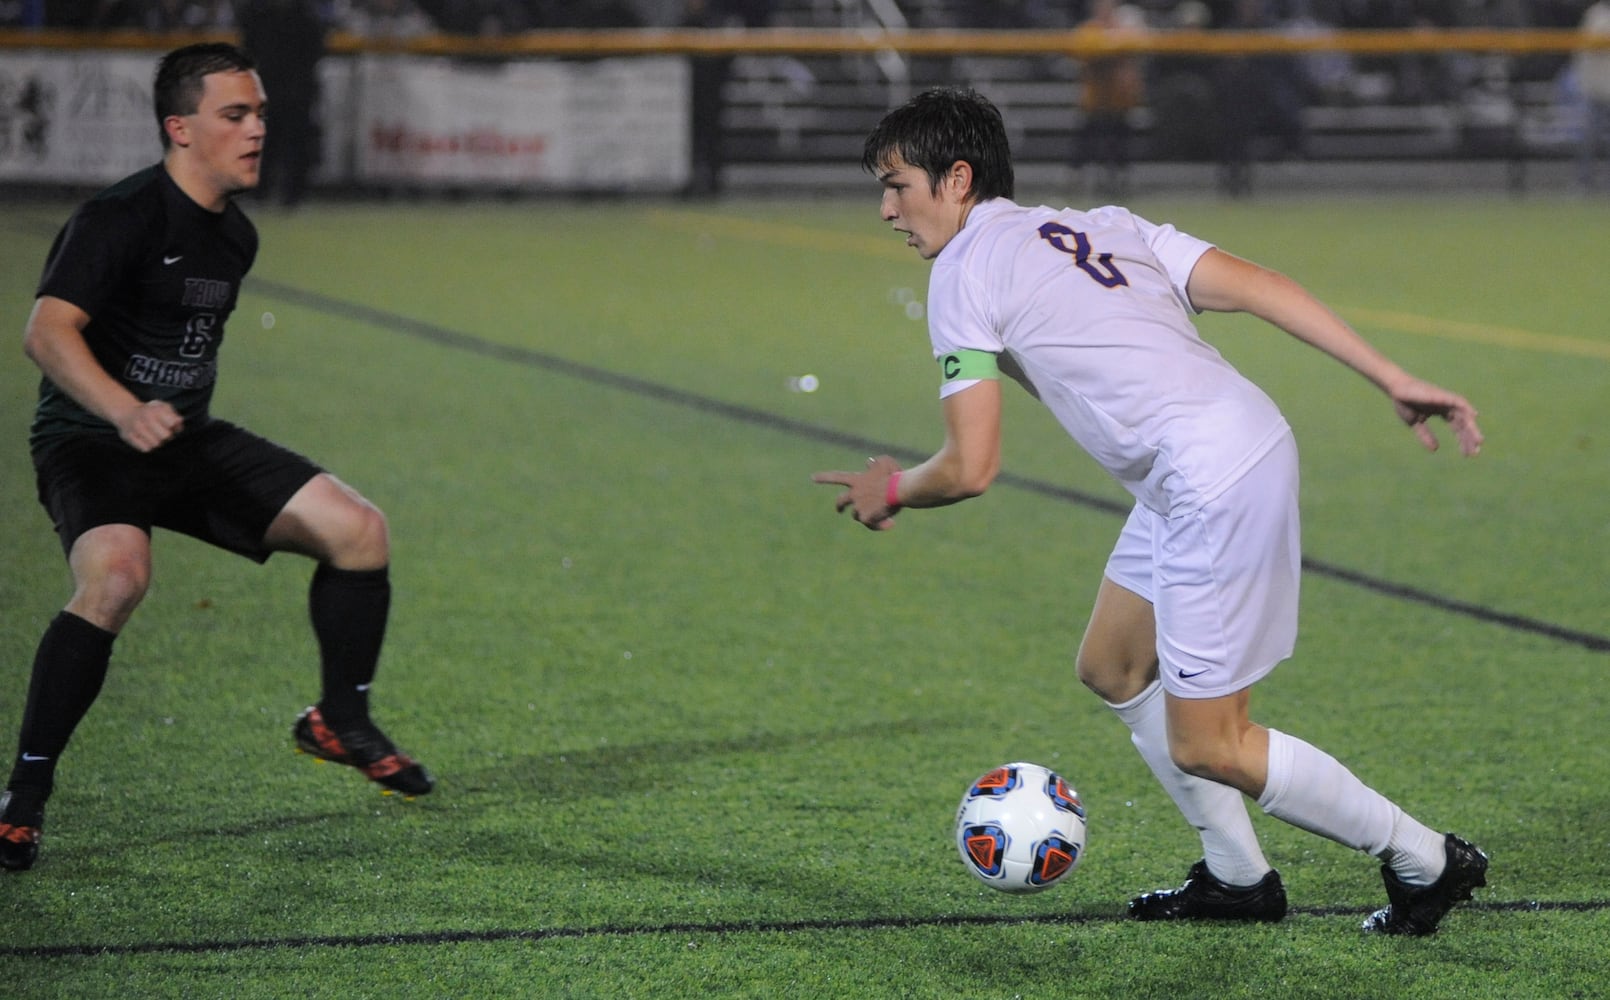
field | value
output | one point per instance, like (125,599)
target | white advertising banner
(425,122)
(76,117)
(611,124)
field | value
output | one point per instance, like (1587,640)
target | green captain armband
(959,365)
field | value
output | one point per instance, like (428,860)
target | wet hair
(178,86)
(938,127)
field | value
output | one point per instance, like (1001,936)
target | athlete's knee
(371,538)
(1115,678)
(110,587)
(1099,675)
(1117,657)
(335,524)
(365,541)
(1202,758)
(1218,760)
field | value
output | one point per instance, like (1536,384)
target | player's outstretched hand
(866,493)
(1417,401)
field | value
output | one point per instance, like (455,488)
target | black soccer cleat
(1415,910)
(20,827)
(363,746)
(1204,897)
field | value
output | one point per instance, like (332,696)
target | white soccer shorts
(1222,580)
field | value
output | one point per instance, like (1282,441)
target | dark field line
(527,357)
(434,938)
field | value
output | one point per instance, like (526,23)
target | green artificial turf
(698,736)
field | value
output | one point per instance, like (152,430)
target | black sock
(349,609)
(69,669)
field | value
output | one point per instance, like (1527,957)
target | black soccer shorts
(217,482)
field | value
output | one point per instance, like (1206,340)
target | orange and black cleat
(20,827)
(364,747)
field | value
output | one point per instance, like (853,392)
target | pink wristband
(891,494)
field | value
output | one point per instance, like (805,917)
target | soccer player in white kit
(1090,311)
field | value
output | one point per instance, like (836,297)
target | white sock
(1218,812)
(1310,789)
(1416,852)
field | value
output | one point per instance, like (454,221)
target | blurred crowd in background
(1209,108)
(409,17)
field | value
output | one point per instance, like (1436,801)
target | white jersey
(1089,311)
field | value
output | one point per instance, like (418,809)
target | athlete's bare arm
(964,466)
(1223,282)
(54,340)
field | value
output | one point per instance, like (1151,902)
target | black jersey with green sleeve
(158,276)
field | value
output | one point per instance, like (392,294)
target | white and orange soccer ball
(1021,828)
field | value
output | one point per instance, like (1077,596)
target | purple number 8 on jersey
(1102,269)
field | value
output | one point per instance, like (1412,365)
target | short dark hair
(178,86)
(938,127)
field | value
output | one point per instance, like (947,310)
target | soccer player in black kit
(126,327)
